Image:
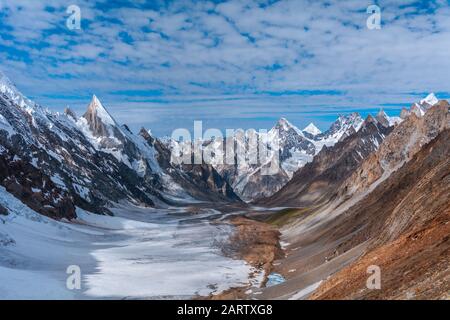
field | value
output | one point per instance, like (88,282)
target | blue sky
(232,64)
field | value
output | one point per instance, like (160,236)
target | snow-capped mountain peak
(284,123)
(100,123)
(9,89)
(342,127)
(383,118)
(6,86)
(283,126)
(430,100)
(100,111)
(382,114)
(419,108)
(312,129)
(5,83)
(344,123)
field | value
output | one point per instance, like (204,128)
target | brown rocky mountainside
(402,226)
(392,210)
(406,220)
(317,181)
(405,140)
(34,188)
(201,181)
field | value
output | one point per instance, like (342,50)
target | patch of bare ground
(415,266)
(408,219)
(258,244)
(402,226)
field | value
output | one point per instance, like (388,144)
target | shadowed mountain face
(54,162)
(201,181)
(404,141)
(33,187)
(317,181)
(391,211)
(406,221)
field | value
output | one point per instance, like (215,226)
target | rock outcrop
(318,181)
(406,221)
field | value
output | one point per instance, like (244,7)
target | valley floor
(140,253)
(199,252)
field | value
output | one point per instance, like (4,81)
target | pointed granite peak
(421,107)
(312,129)
(283,122)
(70,113)
(430,100)
(371,119)
(99,119)
(284,125)
(97,109)
(382,114)
(382,118)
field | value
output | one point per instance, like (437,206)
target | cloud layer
(164,64)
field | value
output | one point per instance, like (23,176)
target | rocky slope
(317,181)
(397,220)
(405,219)
(34,188)
(89,162)
(288,149)
(405,140)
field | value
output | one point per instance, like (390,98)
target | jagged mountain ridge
(391,211)
(405,219)
(96,131)
(296,148)
(405,140)
(348,171)
(91,160)
(317,180)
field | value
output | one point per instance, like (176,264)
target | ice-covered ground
(139,253)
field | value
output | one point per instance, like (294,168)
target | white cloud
(237,47)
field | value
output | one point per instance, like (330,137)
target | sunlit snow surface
(138,254)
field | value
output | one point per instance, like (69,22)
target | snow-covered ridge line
(98,127)
(431,99)
(80,160)
(98,160)
(312,129)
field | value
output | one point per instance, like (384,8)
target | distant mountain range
(365,192)
(377,198)
(92,161)
(296,149)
